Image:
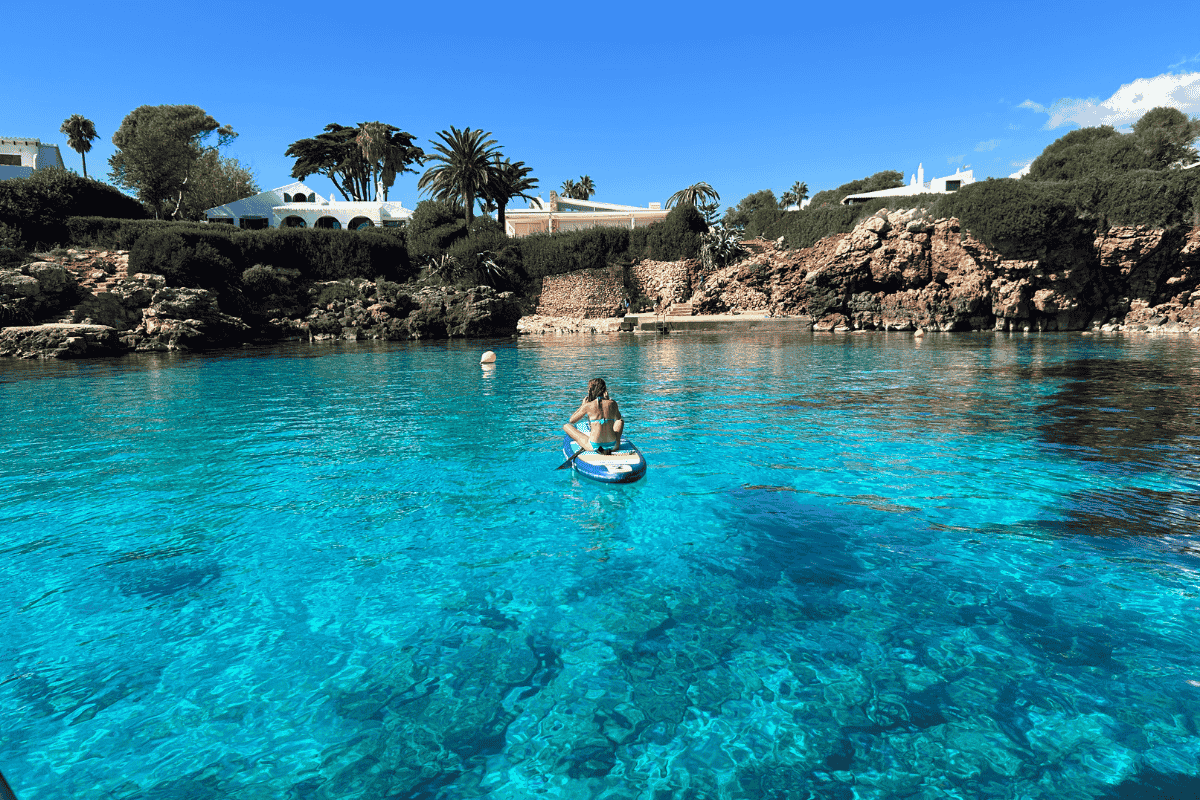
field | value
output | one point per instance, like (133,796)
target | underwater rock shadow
(160,582)
(786,539)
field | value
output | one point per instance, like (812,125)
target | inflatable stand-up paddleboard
(623,466)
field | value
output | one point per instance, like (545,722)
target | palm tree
(80,132)
(694,195)
(794,196)
(372,139)
(465,158)
(585,188)
(569,189)
(507,180)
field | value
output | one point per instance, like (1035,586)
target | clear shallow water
(860,566)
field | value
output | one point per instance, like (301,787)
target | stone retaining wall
(599,293)
(589,293)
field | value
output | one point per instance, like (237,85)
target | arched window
(287,198)
(293,222)
(359,223)
(327,222)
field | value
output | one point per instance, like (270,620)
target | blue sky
(644,98)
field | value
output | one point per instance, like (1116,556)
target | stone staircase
(680,310)
(95,272)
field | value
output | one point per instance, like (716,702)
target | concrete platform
(705,323)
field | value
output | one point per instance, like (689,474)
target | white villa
(918,185)
(298,206)
(20,157)
(565,214)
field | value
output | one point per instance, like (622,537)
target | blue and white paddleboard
(624,466)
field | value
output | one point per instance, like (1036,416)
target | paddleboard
(624,466)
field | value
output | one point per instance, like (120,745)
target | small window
(953,186)
(253,223)
(221,220)
(287,198)
(10,160)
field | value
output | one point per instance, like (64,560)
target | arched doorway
(358,223)
(327,222)
(293,222)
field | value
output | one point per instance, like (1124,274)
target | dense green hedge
(106,233)
(1159,198)
(36,208)
(214,255)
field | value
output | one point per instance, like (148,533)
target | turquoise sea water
(859,566)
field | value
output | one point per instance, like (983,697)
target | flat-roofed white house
(918,185)
(298,206)
(20,157)
(565,214)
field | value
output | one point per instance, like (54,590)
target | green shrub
(38,206)
(342,291)
(11,239)
(738,217)
(435,225)
(262,281)
(109,233)
(1158,198)
(186,258)
(678,236)
(1018,218)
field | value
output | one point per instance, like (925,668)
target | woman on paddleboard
(605,422)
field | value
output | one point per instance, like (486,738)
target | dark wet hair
(596,388)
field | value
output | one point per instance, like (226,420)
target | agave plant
(444,268)
(492,271)
(724,244)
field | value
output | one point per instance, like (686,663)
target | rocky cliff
(903,271)
(84,303)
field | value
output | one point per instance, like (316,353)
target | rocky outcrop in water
(84,303)
(34,291)
(400,313)
(903,271)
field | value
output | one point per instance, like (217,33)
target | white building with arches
(298,206)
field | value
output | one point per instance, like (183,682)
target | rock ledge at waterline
(85,303)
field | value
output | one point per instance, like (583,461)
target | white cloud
(955,159)
(990,144)
(1128,104)
(1187,60)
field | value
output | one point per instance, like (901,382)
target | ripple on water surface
(867,566)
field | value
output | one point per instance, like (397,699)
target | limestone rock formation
(427,313)
(59,340)
(34,291)
(902,271)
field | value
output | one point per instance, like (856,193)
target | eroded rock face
(59,340)
(33,291)
(184,319)
(429,313)
(902,271)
